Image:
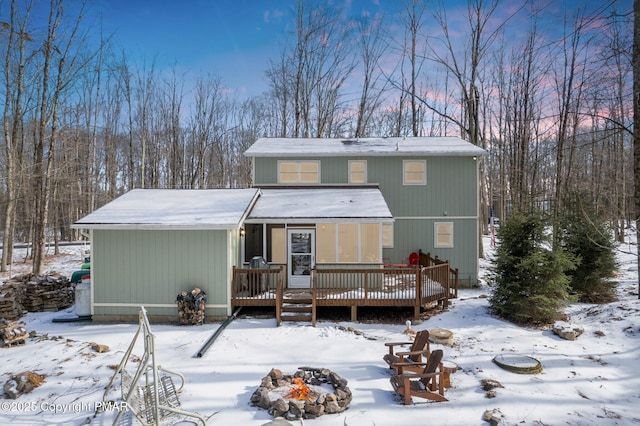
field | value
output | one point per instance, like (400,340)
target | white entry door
(302,256)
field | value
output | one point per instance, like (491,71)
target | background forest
(83,122)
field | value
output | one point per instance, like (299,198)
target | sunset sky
(234,39)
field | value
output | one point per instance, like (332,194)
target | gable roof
(327,147)
(313,205)
(173,209)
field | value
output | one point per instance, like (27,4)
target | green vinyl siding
(451,182)
(450,195)
(151,267)
(419,235)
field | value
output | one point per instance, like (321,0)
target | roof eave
(153,226)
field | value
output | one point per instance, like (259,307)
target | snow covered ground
(593,380)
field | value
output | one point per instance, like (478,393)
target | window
(326,243)
(348,242)
(387,235)
(415,172)
(357,171)
(443,234)
(298,172)
(369,243)
(278,247)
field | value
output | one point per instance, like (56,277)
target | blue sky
(233,39)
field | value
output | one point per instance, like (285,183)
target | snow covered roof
(309,147)
(173,209)
(311,205)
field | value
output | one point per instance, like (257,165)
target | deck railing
(427,260)
(258,287)
(404,286)
(349,285)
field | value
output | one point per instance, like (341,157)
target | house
(337,216)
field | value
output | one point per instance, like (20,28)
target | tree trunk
(636,122)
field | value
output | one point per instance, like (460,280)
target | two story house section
(333,211)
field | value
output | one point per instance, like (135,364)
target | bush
(529,278)
(588,237)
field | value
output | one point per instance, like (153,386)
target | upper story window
(357,171)
(414,172)
(298,172)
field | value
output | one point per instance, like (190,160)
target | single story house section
(299,228)
(149,245)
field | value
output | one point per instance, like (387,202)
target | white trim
(150,305)
(230,262)
(91,281)
(436,235)
(300,281)
(437,218)
(423,182)
(154,226)
(298,164)
(366,177)
(306,221)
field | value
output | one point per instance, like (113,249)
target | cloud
(272,15)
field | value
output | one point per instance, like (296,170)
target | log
(191,307)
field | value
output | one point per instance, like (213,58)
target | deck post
(314,297)
(354,313)
(279,297)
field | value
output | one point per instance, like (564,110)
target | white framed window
(414,172)
(298,171)
(443,234)
(357,171)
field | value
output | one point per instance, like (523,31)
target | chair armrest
(397,343)
(423,352)
(392,345)
(410,364)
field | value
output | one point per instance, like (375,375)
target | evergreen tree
(587,236)
(529,278)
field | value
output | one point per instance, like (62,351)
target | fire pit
(309,393)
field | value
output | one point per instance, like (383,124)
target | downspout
(217,333)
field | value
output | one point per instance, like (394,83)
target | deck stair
(298,306)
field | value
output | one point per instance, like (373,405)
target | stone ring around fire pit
(309,393)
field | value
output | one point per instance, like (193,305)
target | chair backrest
(419,343)
(432,365)
(414,258)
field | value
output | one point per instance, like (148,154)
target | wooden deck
(413,287)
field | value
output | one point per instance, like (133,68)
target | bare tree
(311,74)
(61,63)
(636,121)
(14,79)
(372,50)
(415,10)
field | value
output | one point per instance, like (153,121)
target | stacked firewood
(10,297)
(191,307)
(13,333)
(33,293)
